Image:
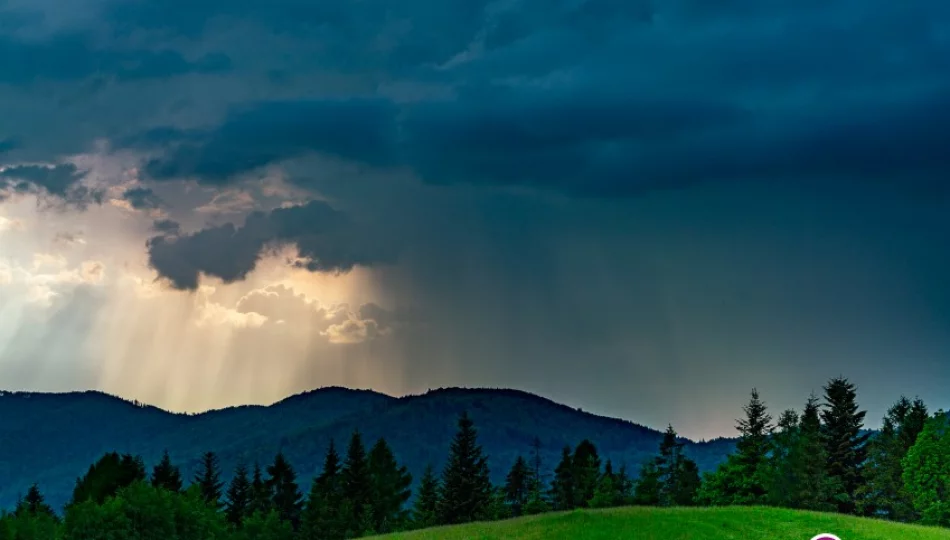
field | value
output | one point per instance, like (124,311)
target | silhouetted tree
(261,494)
(466,491)
(208,479)
(238,504)
(282,484)
(425,513)
(390,489)
(563,485)
(165,475)
(356,485)
(518,486)
(322,515)
(845,444)
(107,476)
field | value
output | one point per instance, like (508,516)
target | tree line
(821,459)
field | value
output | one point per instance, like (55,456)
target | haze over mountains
(51,439)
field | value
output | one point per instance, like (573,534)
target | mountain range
(52,438)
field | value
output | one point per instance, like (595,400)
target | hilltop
(52,438)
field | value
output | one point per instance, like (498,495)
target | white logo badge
(826,536)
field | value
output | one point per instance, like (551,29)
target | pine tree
(563,486)
(166,476)
(261,494)
(425,513)
(282,484)
(845,445)
(624,487)
(466,491)
(518,486)
(604,493)
(648,486)
(390,489)
(322,515)
(671,478)
(586,463)
(238,504)
(209,480)
(107,476)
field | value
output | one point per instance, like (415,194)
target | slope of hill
(51,439)
(681,523)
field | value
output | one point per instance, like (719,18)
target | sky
(642,208)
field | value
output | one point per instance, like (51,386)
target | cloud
(326,240)
(166,226)
(56,179)
(7,224)
(142,198)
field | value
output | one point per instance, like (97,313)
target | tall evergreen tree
(466,491)
(563,486)
(261,494)
(624,487)
(927,471)
(238,504)
(743,479)
(322,516)
(784,467)
(166,476)
(845,444)
(671,478)
(390,489)
(425,513)
(883,493)
(356,485)
(518,486)
(815,489)
(34,504)
(208,479)
(107,476)
(586,463)
(282,484)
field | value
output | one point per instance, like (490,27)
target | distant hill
(51,439)
(645,523)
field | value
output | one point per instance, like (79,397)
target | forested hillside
(51,439)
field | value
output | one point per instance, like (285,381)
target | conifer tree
(883,493)
(425,513)
(356,484)
(238,504)
(563,485)
(466,491)
(604,493)
(166,476)
(390,489)
(34,504)
(107,476)
(322,516)
(209,481)
(261,495)
(624,486)
(586,463)
(815,488)
(845,444)
(784,473)
(517,486)
(282,484)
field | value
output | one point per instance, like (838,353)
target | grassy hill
(680,524)
(51,439)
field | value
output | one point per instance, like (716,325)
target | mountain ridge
(52,438)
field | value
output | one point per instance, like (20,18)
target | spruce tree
(845,444)
(390,489)
(356,484)
(466,491)
(648,486)
(563,486)
(322,516)
(209,481)
(586,463)
(282,484)
(425,513)
(34,504)
(624,487)
(815,489)
(518,486)
(784,471)
(883,493)
(261,495)
(238,504)
(166,476)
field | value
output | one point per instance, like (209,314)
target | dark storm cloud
(142,198)
(76,56)
(327,241)
(166,226)
(55,179)
(357,130)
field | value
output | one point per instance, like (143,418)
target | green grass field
(681,524)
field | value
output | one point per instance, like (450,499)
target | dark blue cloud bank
(669,190)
